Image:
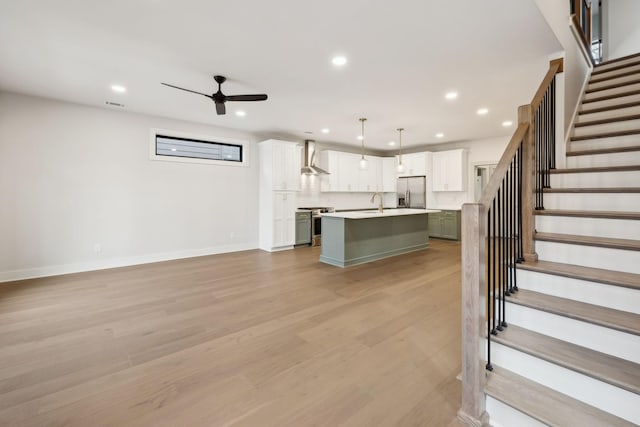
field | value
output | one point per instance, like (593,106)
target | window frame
(244,147)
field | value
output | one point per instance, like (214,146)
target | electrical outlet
(232,235)
(97,248)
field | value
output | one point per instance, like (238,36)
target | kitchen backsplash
(310,195)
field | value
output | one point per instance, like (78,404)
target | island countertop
(373,213)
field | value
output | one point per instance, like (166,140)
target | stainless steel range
(316,223)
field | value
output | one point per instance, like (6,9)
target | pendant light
(400,165)
(363,161)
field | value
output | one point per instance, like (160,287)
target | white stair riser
(595,179)
(607,114)
(614,91)
(615,81)
(610,102)
(610,341)
(609,159)
(596,227)
(625,125)
(589,256)
(594,202)
(609,142)
(596,393)
(630,62)
(503,415)
(616,297)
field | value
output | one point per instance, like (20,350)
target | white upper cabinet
(449,170)
(370,178)
(389,174)
(346,175)
(415,164)
(281,161)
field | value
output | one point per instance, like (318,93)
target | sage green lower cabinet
(445,225)
(348,241)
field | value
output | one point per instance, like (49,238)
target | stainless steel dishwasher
(303,227)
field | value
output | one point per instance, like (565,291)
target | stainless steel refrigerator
(412,192)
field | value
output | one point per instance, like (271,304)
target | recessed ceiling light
(482,111)
(507,123)
(173,149)
(359,137)
(118,88)
(451,95)
(339,61)
(240,113)
(392,143)
(439,135)
(325,130)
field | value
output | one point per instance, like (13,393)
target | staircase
(571,353)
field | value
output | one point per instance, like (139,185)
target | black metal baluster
(503,264)
(520,177)
(553,125)
(493,264)
(500,214)
(489,296)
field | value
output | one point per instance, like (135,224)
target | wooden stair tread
(622,321)
(612,96)
(589,214)
(626,168)
(604,242)
(613,86)
(615,76)
(593,190)
(545,404)
(609,277)
(621,118)
(601,366)
(598,68)
(610,107)
(604,151)
(607,135)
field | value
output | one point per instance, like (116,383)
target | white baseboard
(55,270)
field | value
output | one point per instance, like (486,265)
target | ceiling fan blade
(258,97)
(187,90)
(220,108)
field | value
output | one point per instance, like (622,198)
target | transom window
(172,146)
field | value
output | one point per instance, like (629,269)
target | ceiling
(403,57)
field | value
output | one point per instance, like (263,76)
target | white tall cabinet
(279,179)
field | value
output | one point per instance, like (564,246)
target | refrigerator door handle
(407,199)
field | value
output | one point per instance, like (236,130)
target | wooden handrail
(474,234)
(555,66)
(503,165)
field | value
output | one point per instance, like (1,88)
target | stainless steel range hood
(309,167)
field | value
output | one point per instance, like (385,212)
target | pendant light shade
(363,161)
(400,165)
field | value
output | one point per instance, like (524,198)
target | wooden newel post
(525,115)
(472,412)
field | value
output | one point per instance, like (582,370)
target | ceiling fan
(220,98)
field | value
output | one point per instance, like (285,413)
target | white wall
(621,31)
(73,177)
(480,152)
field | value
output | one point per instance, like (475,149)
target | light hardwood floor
(242,339)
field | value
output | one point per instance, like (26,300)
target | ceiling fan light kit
(220,98)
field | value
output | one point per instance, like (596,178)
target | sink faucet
(380,207)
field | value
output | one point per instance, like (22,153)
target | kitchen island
(357,237)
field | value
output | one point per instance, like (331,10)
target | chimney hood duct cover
(309,155)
